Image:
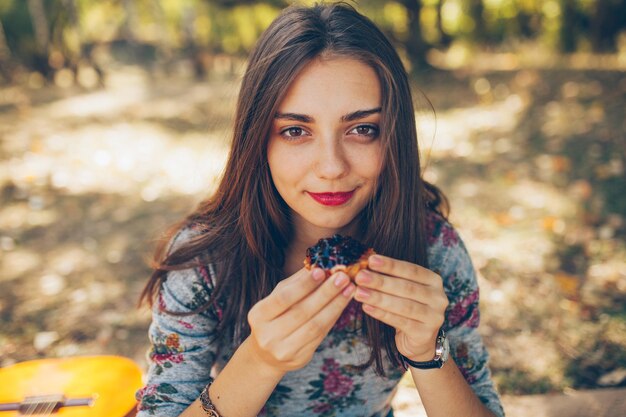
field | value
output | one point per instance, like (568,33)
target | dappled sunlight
(105,103)
(17,263)
(58,295)
(529,161)
(115,121)
(111,141)
(532,55)
(21,215)
(455,127)
(125,158)
(522,163)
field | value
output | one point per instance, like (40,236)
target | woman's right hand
(288,325)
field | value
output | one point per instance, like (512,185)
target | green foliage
(18,28)
(232,27)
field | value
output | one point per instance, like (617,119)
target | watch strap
(437,362)
(423,365)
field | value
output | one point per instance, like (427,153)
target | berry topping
(336,250)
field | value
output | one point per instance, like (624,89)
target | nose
(331,161)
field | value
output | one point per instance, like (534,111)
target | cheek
(369,162)
(284,166)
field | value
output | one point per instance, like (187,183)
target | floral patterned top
(182,361)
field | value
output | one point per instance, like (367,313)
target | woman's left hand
(409,298)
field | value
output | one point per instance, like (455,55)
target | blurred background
(115,118)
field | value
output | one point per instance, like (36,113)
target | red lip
(332,199)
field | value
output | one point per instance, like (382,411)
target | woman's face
(324,150)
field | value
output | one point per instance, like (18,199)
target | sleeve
(449,258)
(180,356)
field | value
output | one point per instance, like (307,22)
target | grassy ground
(531,159)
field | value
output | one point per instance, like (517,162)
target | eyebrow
(355,115)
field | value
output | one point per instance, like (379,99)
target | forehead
(333,85)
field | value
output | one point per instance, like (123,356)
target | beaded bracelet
(206,403)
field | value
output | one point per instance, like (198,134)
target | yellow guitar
(90,386)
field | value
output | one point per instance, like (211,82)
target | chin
(334,225)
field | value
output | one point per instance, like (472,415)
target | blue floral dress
(182,361)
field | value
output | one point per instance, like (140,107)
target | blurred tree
(476,12)
(5,56)
(40,24)
(42,37)
(609,19)
(36,33)
(416,46)
(70,40)
(570,28)
(444,38)
(165,44)
(131,21)
(5,52)
(234,3)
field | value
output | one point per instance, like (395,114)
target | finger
(400,323)
(289,291)
(403,269)
(301,312)
(392,285)
(399,306)
(318,326)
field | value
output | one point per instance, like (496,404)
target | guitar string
(49,408)
(30,409)
(33,408)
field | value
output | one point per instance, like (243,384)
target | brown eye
(366,130)
(293,132)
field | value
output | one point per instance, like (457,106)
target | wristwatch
(442,351)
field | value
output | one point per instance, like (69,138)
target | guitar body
(90,386)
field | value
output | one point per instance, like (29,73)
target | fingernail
(375,260)
(362,293)
(347,292)
(318,274)
(341,279)
(363,277)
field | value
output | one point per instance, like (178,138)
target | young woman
(324,143)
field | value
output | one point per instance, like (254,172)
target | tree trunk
(607,22)
(5,52)
(415,45)
(42,38)
(40,24)
(567,33)
(5,56)
(444,39)
(72,12)
(476,9)
(131,20)
(74,57)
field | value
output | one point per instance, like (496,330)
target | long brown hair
(246,226)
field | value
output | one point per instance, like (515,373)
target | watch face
(446,349)
(442,348)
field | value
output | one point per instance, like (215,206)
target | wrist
(421,357)
(442,350)
(261,367)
